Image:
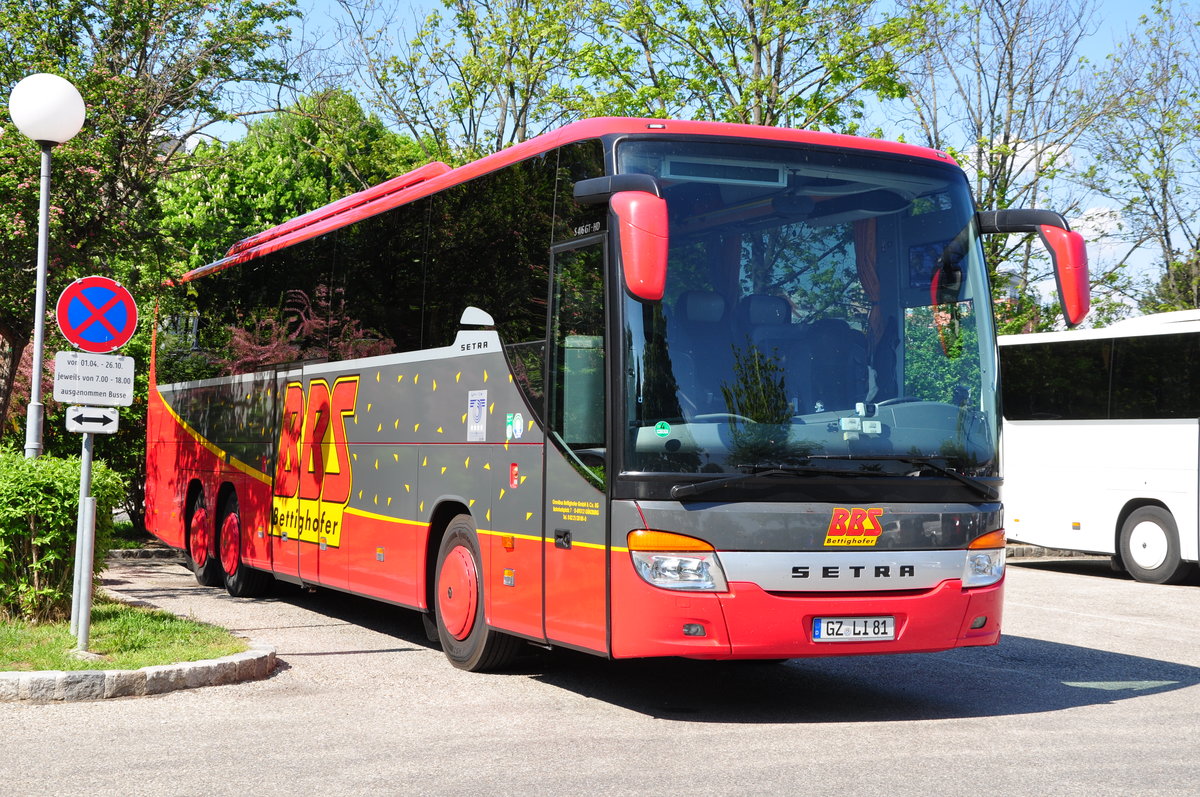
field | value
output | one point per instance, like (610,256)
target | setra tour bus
(633,387)
(1126,400)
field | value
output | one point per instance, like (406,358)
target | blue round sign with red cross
(96,314)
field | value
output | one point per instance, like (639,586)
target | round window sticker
(662,429)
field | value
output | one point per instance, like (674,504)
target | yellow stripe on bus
(233,462)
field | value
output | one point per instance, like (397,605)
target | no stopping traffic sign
(96,314)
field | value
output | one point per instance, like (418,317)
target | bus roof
(1154,324)
(436,176)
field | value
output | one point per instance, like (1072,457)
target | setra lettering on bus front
(855,571)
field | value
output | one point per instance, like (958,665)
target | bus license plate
(853,629)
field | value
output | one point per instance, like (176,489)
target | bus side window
(577,404)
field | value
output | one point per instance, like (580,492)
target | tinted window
(1157,376)
(1067,381)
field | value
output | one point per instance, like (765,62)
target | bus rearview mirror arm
(1067,249)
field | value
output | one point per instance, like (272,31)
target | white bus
(1102,442)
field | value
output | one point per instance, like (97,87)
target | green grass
(126,638)
(125,537)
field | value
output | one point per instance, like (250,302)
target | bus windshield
(822,308)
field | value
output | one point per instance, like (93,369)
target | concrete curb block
(1023,551)
(49,686)
(54,686)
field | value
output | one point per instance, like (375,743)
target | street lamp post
(49,110)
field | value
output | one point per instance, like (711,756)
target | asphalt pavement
(1094,690)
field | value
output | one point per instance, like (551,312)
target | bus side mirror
(1067,252)
(1069,255)
(642,226)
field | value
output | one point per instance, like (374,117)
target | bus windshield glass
(822,308)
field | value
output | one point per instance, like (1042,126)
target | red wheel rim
(198,536)
(458,586)
(231,543)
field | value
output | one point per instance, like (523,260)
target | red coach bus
(634,387)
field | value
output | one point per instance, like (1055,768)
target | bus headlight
(985,560)
(674,561)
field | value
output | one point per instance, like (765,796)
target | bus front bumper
(747,622)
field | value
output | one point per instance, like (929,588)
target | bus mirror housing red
(636,200)
(642,226)
(1068,252)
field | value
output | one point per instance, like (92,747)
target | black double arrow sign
(99,419)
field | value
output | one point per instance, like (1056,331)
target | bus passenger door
(576,512)
(285,499)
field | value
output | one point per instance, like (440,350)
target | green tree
(1145,152)
(153,73)
(318,150)
(474,76)
(1005,90)
(765,62)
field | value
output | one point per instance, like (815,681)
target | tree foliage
(1146,151)
(152,73)
(311,153)
(472,76)
(765,62)
(39,504)
(1005,90)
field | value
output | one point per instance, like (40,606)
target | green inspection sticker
(662,429)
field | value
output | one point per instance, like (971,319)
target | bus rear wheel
(1150,546)
(240,581)
(199,544)
(466,639)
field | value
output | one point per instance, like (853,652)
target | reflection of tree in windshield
(760,412)
(658,391)
(939,360)
(813,268)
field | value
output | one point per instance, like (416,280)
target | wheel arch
(446,510)
(223,492)
(195,488)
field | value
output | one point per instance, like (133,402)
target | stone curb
(49,686)
(1022,551)
(147,552)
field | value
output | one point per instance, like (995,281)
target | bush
(39,508)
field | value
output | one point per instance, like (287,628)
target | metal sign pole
(85,544)
(88,520)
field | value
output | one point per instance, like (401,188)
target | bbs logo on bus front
(854,528)
(312,466)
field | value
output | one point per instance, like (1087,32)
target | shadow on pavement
(1019,676)
(1095,567)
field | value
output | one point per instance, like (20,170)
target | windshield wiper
(982,488)
(696,488)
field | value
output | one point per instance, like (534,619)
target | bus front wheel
(458,604)
(1150,546)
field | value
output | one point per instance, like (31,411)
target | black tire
(1149,546)
(458,596)
(240,581)
(199,549)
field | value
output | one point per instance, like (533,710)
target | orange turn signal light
(993,539)
(648,540)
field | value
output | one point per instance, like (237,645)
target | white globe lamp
(46,108)
(49,110)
